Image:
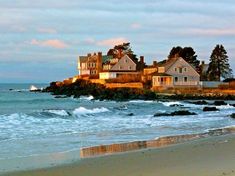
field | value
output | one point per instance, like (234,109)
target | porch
(162,80)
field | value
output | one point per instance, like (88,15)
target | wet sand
(212,156)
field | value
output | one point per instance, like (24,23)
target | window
(126,60)
(185,79)
(162,80)
(175,69)
(129,67)
(180,70)
(176,79)
(120,67)
(185,69)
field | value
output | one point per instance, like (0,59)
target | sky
(41,40)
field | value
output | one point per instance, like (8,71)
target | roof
(168,63)
(82,58)
(160,74)
(106,58)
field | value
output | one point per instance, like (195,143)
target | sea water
(38,124)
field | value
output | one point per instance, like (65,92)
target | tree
(219,65)
(187,53)
(125,49)
(120,50)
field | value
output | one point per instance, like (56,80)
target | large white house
(116,67)
(175,72)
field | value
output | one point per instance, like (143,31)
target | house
(91,65)
(115,67)
(175,72)
(147,72)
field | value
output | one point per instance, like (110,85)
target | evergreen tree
(219,65)
(187,53)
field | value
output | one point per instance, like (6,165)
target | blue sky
(41,40)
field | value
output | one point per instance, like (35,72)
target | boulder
(200,102)
(175,113)
(232,115)
(219,103)
(176,105)
(130,114)
(210,109)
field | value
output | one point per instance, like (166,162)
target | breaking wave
(58,112)
(84,111)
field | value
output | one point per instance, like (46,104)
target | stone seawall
(138,85)
(160,142)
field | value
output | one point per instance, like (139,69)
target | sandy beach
(213,156)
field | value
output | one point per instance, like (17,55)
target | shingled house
(91,65)
(115,67)
(175,72)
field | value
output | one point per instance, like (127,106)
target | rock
(176,105)
(176,113)
(11,89)
(200,102)
(210,109)
(232,105)
(161,114)
(130,114)
(232,115)
(60,96)
(219,103)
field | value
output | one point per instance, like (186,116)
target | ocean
(37,124)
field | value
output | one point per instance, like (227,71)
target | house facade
(116,67)
(91,65)
(176,72)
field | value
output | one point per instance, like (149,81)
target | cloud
(112,41)
(136,26)
(47,30)
(54,43)
(213,32)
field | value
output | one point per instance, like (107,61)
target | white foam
(141,101)
(170,103)
(59,112)
(86,97)
(83,111)
(225,107)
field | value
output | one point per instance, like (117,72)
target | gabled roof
(106,58)
(82,58)
(169,63)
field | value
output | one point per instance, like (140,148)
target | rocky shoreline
(100,92)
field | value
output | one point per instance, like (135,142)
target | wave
(86,98)
(58,112)
(171,103)
(141,101)
(84,111)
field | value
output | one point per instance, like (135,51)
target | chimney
(141,59)
(155,63)
(99,62)
(203,63)
(89,55)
